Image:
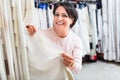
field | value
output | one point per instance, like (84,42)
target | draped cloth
(111,30)
(44,59)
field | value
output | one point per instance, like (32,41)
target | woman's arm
(77,54)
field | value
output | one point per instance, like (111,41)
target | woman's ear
(72,20)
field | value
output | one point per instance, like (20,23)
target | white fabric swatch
(44,58)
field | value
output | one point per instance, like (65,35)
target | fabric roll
(3,75)
(1,14)
(7,40)
(16,38)
(110,39)
(11,33)
(111,22)
(29,16)
(105,26)
(24,7)
(117,30)
(100,29)
(110,48)
(85,33)
(83,18)
(50,17)
(21,34)
(92,14)
(99,20)
(81,28)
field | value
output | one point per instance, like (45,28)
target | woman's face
(61,19)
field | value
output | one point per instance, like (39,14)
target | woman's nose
(60,17)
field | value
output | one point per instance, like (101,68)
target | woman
(65,17)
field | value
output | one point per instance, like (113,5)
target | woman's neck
(61,33)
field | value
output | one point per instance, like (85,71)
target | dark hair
(71,11)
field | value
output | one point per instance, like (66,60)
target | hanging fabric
(83,20)
(117,30)
(110,41)
(92,13)
(7,39)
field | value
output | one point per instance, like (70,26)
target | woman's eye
(64,15)
(56,14)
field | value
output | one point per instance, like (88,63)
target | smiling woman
(62,21)
(65,16)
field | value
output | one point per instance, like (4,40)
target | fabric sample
(44,59)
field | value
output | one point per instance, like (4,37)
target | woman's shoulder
(76,39)
(75,36)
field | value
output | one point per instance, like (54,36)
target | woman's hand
(31,29)
(68,61)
